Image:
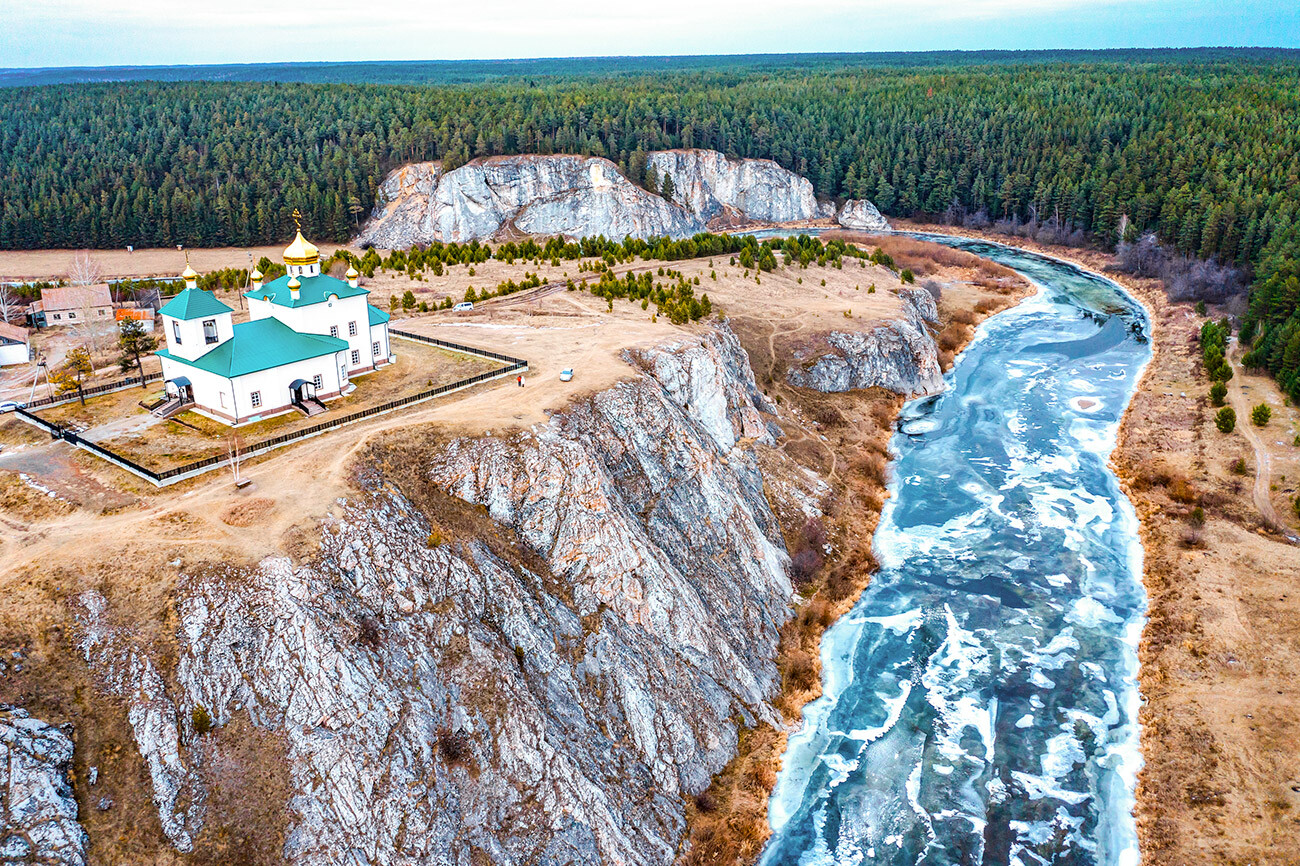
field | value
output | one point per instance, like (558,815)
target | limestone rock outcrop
(545,691)
(715,187)
(577,196)
(861,215)
(488,198)
(38,813)
(901,356)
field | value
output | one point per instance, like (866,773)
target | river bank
(1221,649)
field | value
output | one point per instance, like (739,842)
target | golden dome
(293,283)
(352,273)
(190,273)
(256,274)
(301,252)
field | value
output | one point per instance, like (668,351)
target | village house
(72,305)
(308,335)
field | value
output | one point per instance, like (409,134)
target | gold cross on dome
(297,219)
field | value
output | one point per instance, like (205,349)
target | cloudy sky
(149,32)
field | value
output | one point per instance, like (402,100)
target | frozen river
(980,700)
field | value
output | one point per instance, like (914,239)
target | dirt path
(1263,460)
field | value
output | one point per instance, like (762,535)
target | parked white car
(566,375)
(463,306)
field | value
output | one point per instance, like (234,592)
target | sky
(44,33)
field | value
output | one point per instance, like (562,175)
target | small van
(463,306)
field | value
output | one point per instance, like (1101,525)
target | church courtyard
(118,422)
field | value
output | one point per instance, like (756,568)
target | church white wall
(319,318)
(379,334)
(192,344)
(232,399)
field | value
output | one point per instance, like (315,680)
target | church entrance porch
(302,395)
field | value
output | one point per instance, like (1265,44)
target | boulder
(860,215)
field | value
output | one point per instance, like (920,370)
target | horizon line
(539,59)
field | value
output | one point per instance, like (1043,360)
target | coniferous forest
(1202,148)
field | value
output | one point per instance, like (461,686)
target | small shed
(14,347)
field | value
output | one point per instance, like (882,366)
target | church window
(356,356)
(209,330)
(374,349)
(334,330)
(256,398)
(352,329)
(176,332)
(318,380)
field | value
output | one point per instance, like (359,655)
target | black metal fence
(168,476)
(69,396)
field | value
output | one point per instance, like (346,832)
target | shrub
(1218,391)
(1200,308)
(1239,466)
(1260,415)
(907,276)
(1226,420)
(1197,516)
(201,719)
(1295,506)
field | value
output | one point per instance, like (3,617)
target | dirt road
(1263,460)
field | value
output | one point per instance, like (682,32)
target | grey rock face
(38,813)
(547,195)
(901,356)
(441,700)
(401,205)
(709,184)
(861,215)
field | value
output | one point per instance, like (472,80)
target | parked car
(463,306)
(566,375)
(11,405)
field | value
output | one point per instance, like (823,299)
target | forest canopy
(1201,148)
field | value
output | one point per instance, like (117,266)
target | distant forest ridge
(451,72)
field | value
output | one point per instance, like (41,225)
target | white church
(308,334)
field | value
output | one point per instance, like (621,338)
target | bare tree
(85,270)
(8,301)
(235,456)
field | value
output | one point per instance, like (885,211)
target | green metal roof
(377,316)
(261,345)
(314,290)
(194,304)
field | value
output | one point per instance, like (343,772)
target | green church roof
(377,316)
(194,304)
(261,345)
(314,290)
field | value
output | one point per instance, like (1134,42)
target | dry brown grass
(248,513)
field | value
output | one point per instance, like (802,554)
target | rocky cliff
(716,188)
(38,814)
(901,356)
(546,195)
(538,683)
(861,215)
(579,196)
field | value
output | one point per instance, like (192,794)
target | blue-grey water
(980,700)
